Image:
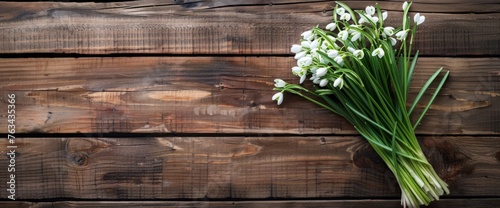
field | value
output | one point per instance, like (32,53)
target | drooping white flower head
(378,52)
(351,49)
(355,36)
(305,43)
(384,15)
(405,5)
(278,97)
(296,70)
(340,11)
(401,35)
(300,54)
(339,60)
(370,10)
(332,53)
(359,54)
(389,31)
(343,34)
(331,26)
(279,83)
(304,61)
(308,35)
(314,44)
(302,77)
(323,82)
(296,48)
(321,72)
(345,16)
(393,41)
(339,82)
(419,19)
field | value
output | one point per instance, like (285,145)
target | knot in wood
(78,159)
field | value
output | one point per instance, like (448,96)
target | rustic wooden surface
(238,167)
(217,95)
(167,104)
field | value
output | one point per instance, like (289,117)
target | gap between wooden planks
(237,167)
(156,27)
(217,95)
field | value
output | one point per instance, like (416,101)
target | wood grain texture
(388,203)
(216,95)
(226,27)
(236,167)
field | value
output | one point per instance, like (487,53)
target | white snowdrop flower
(343,34)
(332,53)
(389,31)
(321,72)
(401,35)
(331,26)
(378,52)
(296,48)
(339,60)
(355,36)
(362,19)
(370,10)
(339,82)
(300,54)
(305,43)
(359,54)
(296,70)
(405,5)
(393,41)
(278,97)
(340,11)
(345,16)
(304,61)
(316,80)
(374,19)
(313,70)
(302,77)
(351,49)
(324,46)
(308,35)
(279,83)
(323,82)
(384,15)
(314,44)
(419,19)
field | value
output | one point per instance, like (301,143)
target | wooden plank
(236,167)
(388,203)
(225,27)
(216,95)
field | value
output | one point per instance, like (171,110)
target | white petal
(343,35)
(315,44)
(279,83)
(321,72)
(359,54)
(296,48)
(323,82)
(393,41)
(405,5)
(333,53)
(384,15)
(356,36)
(370,10)
(296,70)
(300,55)
(401,35)
(340,11)
(337,82)
(305,43)
(302,78)
(339,60)
(351,49)
(331,26)
(280,99)
(389,31)
(346,17)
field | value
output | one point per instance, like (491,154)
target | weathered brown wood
(236,167)
(388,203)
(216,95)
(225,27)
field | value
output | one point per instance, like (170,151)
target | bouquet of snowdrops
(362,71)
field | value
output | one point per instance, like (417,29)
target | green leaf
(432,99)
(423,90)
